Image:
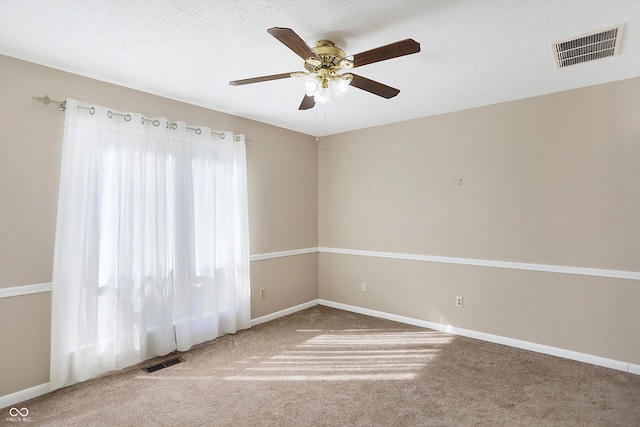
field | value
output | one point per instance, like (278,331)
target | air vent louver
(588,47)
(165,364)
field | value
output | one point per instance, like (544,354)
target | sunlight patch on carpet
(353,355)
(345,377)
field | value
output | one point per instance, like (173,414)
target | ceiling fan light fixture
(325,61)
(312,86)
(322,96)
(340,86)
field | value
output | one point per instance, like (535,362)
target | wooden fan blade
(374,87)
(382,53)
(290,39)
(307,103)
(260,79)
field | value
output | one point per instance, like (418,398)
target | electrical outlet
(263,293)
(458,301)
(363,287)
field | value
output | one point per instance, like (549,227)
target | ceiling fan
(324,63)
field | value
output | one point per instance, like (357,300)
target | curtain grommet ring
(221,135)
(109,114)
(127,117)
(198,131)
(92,111)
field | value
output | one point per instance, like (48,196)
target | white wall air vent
(588,47)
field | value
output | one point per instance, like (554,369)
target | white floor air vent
(588,47)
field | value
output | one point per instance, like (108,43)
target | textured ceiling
(474,52)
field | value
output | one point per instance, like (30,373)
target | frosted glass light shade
(311,86)
(322,96)
(340,86)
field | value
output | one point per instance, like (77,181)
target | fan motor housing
(330,55)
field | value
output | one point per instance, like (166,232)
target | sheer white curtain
(151,250)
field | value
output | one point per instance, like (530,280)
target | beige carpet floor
(327,367)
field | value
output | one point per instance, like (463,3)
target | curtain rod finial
(46,100)
(62,106)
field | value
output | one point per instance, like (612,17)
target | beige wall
(282,181)
(547,180)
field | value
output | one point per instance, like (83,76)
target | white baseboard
(511,342)
(22,395)
(39,390)
(284,312)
